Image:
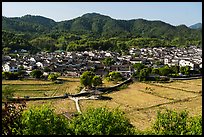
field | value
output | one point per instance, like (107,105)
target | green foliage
(155,71)
(185,70)
(174,123)
(36,74)
(43,121)
(138,67)
(53,76)
(114,76)
(93,32)
(86,78)
(46,69)
(44,43)
(144,73)
(164,71)
(11,122)
(13,41)
(194,125)
(10,75)
(174,69)
(94,121)
(108,61)
(96,81)
(6,50)
(7,91)
(101,121)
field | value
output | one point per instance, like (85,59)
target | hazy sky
(174,13)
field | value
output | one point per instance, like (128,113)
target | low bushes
(99,121)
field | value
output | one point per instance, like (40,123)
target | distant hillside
(196,26)
(98,25)
(92,31)
(28,23)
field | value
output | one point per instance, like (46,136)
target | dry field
(140,101)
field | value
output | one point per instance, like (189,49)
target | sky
(174,13)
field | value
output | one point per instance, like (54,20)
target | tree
(6,50)
(46,69)
(171,122)
(174,69)
(155,71)
(185,70)
(164,71)
(53,76)
(108,61)
(7,91)
(11,118)
(36,74)
(101,121)
(43,121)
(96,81)
(143,74)
(6,75)
(138,67)
(114,76)
(10,75)
(86,78)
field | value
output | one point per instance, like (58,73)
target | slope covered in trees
(95,31)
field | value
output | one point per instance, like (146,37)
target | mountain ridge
(98,25)
(196,26)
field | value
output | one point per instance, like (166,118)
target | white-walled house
(186,63)
(39,64)
(200,65)
(10,67)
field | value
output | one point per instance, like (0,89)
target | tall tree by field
(144,73)
(185,70)
(43,121)
(108,62)
(114,76)
(138,67)
(53,76)
(36,74)
(171,122)
(86,79)
(96,81)
(165,70)
(101,121)
(10,75)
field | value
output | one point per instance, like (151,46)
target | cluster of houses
(73,64)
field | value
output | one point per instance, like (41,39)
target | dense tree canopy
(101,121)
(93,32)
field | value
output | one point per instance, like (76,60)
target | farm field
(140,101)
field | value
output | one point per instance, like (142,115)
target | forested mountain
(196,26)
(93,30)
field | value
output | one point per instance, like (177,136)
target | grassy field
(140,101)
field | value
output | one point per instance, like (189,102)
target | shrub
(10,75)
(43,121)
(86,78)
(194,126)
(11,114)
(114,76)
(53,76)
(100,121)
(174,123)
(7,92)
(36,74)
(96,81)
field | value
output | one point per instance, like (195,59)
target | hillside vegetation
(93,31)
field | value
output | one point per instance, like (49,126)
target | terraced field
(140,101)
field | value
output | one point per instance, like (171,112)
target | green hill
(96,27)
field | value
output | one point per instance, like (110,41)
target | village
(73,64)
